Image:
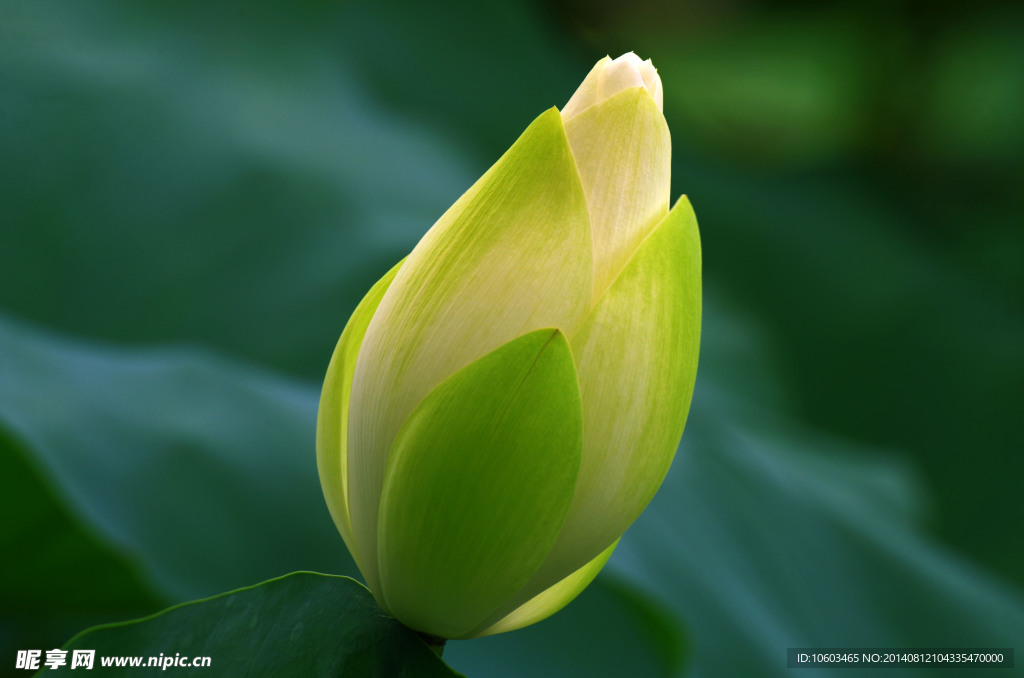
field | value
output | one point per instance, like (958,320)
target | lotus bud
(507,399)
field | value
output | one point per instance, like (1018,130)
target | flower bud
(507,399)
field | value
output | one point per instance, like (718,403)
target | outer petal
(550,601)
(636,355)
(623,150)
(478,485)
(332,419)
(511,256)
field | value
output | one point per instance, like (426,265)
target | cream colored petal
(652,81)
(585,95)
(511,256)
(550,601)
(611,76)
(623,151)
(620,74)
(332,418)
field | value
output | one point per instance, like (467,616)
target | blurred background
(194,196)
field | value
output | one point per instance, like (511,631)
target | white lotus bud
(505,402)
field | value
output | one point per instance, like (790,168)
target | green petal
(623,151)
(511,256)
(636,356)
(550,601)
(478,485)
(332,418)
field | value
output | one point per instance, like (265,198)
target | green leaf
(332,417)
(197,469)
(57,575)
(511,256)
(478,485)
(790,539)
(245,203)
(302,624)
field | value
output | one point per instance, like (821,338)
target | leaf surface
(302,624)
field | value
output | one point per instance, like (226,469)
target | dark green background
(194,195)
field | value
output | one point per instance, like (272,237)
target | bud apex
(611,76)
